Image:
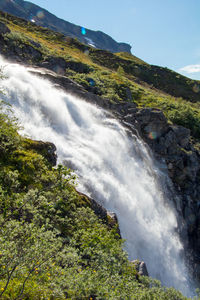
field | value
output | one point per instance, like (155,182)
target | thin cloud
(191,69)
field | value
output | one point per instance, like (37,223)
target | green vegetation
(115,77)
(52,245)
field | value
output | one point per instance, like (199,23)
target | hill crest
(39,16)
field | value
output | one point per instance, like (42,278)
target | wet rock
(141,267)
(178,204)
(109,218)
(189,216)
(98,209)
(51,155)
(113,221)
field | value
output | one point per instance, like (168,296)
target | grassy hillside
(116,77)
(25,9)
(52,244)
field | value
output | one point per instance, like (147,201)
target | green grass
(115,77)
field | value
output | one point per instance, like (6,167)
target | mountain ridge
(44,18)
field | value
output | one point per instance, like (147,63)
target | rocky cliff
(42,17)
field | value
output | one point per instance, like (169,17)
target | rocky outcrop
(42,17)
(19,51)
(171,143)
(47,149)
(141,267)
(108,218)
(59,65)
(4,29)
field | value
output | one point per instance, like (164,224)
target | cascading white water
(113,168)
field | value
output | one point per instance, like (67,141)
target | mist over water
(113,167)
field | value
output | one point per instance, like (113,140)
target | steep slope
(42,17)
(52,245)
(113,77)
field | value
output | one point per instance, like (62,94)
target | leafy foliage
(52,245)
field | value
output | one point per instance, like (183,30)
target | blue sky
(161,32)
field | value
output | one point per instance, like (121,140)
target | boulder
(151,123)
(56,64)
(113,221)
(141,267)
(59,65)
(47,149)
(182,135)
(4,29)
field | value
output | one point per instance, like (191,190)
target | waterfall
(112,166)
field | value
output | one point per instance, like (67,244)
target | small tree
(120,71)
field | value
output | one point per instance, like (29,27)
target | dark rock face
(4,29)
(42,17)
(171,144)
(59,65)
(47,149)
(107,217)
(19,52)
(141,267)
(50,150)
